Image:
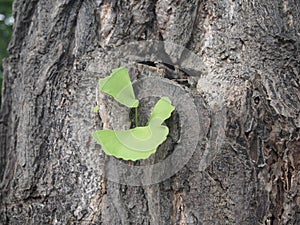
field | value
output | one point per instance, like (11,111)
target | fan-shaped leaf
(162,110)
(140,142)
(119,86)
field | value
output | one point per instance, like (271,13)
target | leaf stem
(136,117)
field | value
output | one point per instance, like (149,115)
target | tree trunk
(237,120)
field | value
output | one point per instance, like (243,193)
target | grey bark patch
(152,51)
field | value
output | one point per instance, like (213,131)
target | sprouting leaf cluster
(139,142)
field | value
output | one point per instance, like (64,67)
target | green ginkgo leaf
(142,138)
(119,86)
(111,145)
(140,142)
(162,110)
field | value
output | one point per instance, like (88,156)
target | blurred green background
(6,22)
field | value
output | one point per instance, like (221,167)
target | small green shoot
(96,109)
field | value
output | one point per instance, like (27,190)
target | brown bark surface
(53,172)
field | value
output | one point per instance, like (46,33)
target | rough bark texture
(51,170)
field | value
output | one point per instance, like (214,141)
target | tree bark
(53,172)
